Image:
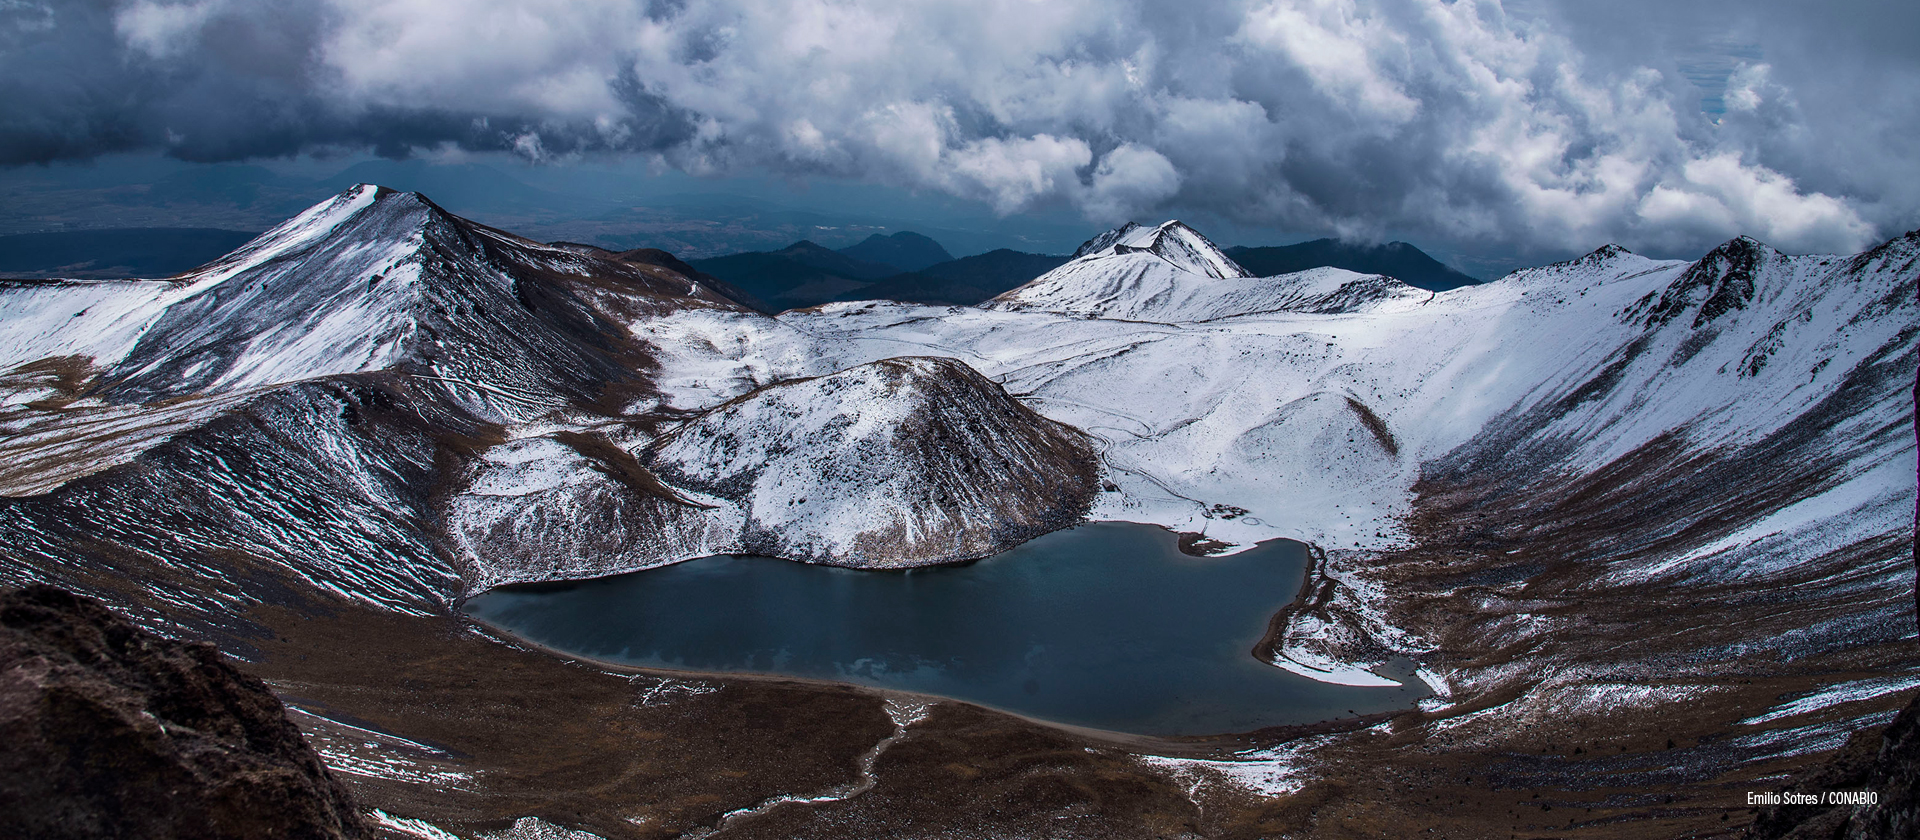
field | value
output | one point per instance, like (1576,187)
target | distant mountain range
(691,217)
(881,268)
(1398,260)
(909,267)
(965,281)
(905,266)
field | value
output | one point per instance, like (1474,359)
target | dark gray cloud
(1533,126)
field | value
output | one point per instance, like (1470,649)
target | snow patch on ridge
(1834,695)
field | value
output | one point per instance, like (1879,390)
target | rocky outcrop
(571,506)
(113,732)
(1718,283)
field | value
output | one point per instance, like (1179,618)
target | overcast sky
(1533,128)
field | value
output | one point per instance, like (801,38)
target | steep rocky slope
(381,402)
(369,280)
(1883,762)
(320,488)
(286,416)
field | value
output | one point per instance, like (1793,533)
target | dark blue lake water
(1107,625)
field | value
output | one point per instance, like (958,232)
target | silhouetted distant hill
(1398,260)
(805,274)
(799,275)
(115,252)
(241,185)
(906,251)
(963,282)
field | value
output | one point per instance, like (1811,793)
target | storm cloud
(1539,126)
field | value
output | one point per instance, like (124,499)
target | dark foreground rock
(1886,762)
(113,732)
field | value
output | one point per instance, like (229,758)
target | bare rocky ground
(427,718)
(499,733)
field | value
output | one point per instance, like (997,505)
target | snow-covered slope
(381,280)
(93,373)
(1192,408)
(1173,274)
(899,462)
(1325,426)
(84,319)
(575,505)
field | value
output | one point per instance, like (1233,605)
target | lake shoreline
(1311,713)
(1218,747)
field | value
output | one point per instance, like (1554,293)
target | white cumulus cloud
(1538,125)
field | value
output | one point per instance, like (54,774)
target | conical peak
(1746,245)
(1178,243)
(1173,240)
(1600,256)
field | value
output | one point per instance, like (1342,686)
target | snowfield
(1314,426)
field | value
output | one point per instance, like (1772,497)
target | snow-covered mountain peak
(1901,253)
(1718,283)
(1174,241)
(1173,273)
(303,230)
(1606,253)
(1605,264)
(376,279)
